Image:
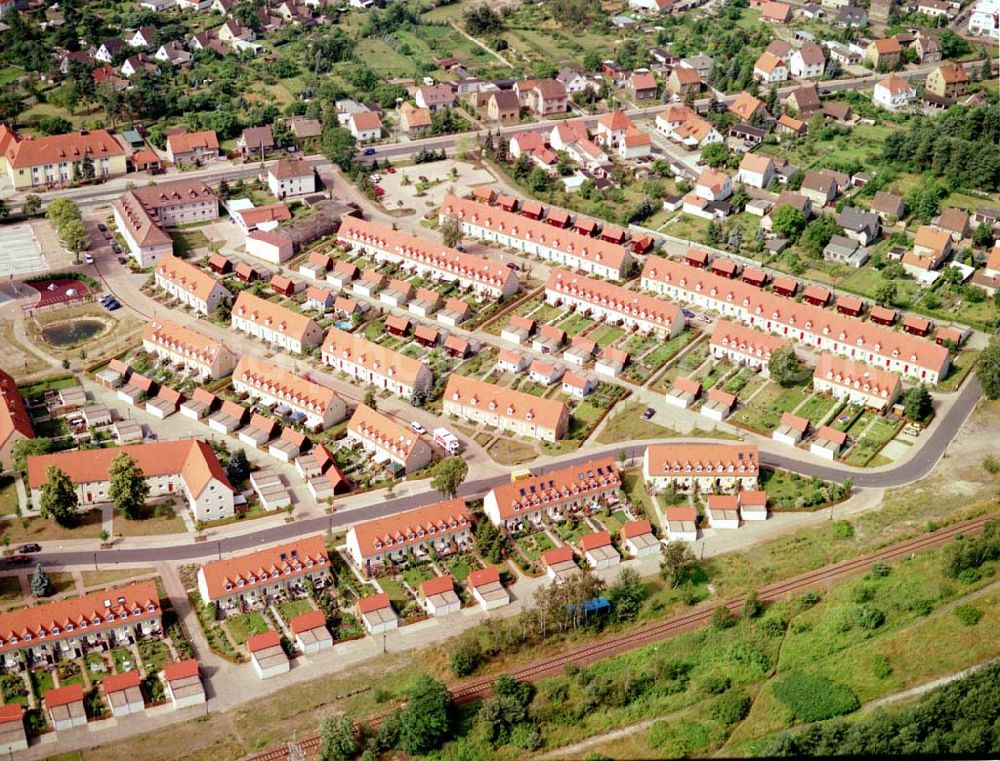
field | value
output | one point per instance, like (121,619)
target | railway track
(481,688)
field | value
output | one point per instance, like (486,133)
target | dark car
(17,560)
(687,313)
(513,266)
(122,260)
(32,547)
(368,152)
(112,304)
(648,413)
(102,227)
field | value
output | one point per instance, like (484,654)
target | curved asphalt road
(912,470)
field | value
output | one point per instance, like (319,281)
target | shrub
(811,697)
(730,708)
(465,657)
(809,598)
(868,617)
(922,607)
(880,666)
(992,464)
(676,740)
(968,614)
(842,530)
(722,618)
(716,684)
(880,570)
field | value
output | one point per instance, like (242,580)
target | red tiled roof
(483,576)
(614,297)
(357,349)
(194,460)
(278,318)
(522,228)
(545,413)
(552,488)
(595,540)
(13,412)
(419,525)
(314,619)
(857,375)
(374,602)
(10,713)
(22,153)
(79,615)
(186,142)
(371,425)
(794,422)
(746,340)
(263,641)
(258,568)
(119,682)
(831,434)
(182,340)
(741,459)
(681,514)
(186,276)
(181,670)
(633,529)
(61,696)
(557,555)
(437,586)
(294,390)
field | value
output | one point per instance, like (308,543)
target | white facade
(203,305)
(892,99)
(285,186)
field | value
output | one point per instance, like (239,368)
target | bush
(968,614)
(716,684)
(465,658)
(922,607)
(722,618)
(842,530)
(809,599)
(730,708)
(880,570)
(880,666)
(812,697)
(992,464)
(868,617)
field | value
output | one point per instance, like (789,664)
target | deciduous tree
(128,489)
(58,498)
(677,563)
(448,475)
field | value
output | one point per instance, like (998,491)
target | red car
(379,192)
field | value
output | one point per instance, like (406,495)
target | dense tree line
(958,146)
(959,718)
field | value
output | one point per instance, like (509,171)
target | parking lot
(19,251)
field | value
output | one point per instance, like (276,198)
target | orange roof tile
(360,351)
(181,670)
(794,422)
(545,413)
(61,696)
(522,228)
(120,682)
(14,416)
(595,540)
(614,298)
(564,485)
(734,336)
(255,569)
(185,142)
(857,376)
(410,527)
(263,641)
(633,529)
(437,586)
(557,555)
(735,459)
(371,425)
(186,276)
(483,576)
(274,316)
(22,153)
(293,390)
(70,618)
(182,340)
(314,619)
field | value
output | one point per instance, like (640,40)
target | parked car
(88,259)
(687,313)
(368,152)
(415,426)
(375,177)
(648,413)
(102,227)
(122,260)
(17,560)
(513,266)
(30,547)
(390,170)
(112,304)
(116,248)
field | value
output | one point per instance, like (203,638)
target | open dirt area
(405,190)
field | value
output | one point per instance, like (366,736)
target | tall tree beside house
(58,498)
(41,584)
(490,542)
(128,490)
(31,205)
(917,403)
(339,146)
(788,221)
(677,562)
(885,293)
(785,367)
(238,467)
(448,475)
(451,231)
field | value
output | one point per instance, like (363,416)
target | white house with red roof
(267,655)
(438,596)
(769,69)
(536,237)
(274,323)
(552,495)
(375,544)
(377,615)
(15,422)
(65,707)
(68,629)
(860,383)
(387,440)
(370,363)
(183,683)
(599,551)
(560,564)
(504,408)
(705,467)
(203,357)
(186,468)
(639,540)
(314,405)
(123,693)
(486,588)
(189,284)
(743,345)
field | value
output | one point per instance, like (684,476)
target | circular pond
(72,331)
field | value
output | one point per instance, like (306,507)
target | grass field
(575,324)
(816,408)
(10,591)
(512,452)
(533,545)
(415,575)
(244,626)
(880,432)
(154,653)
(103,578)
(397,594)
(459,567)
(292,608)
(186,241)
(605,335)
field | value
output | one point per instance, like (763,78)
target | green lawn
(789,399)
(397,594)
(817,408)
(880,432)
(10,74)
(292,608)
(415,575)
(244,626)
(790,490)
(459,567)
(533,545)
(605,335)
(154,653)
(123,659)
(846,417)
(95,659)
(41,682)
(575,324)
(662,353)
(613,522)
(571,535)
(186,241)
(10,591)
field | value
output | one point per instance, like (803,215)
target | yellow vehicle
(520,475)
